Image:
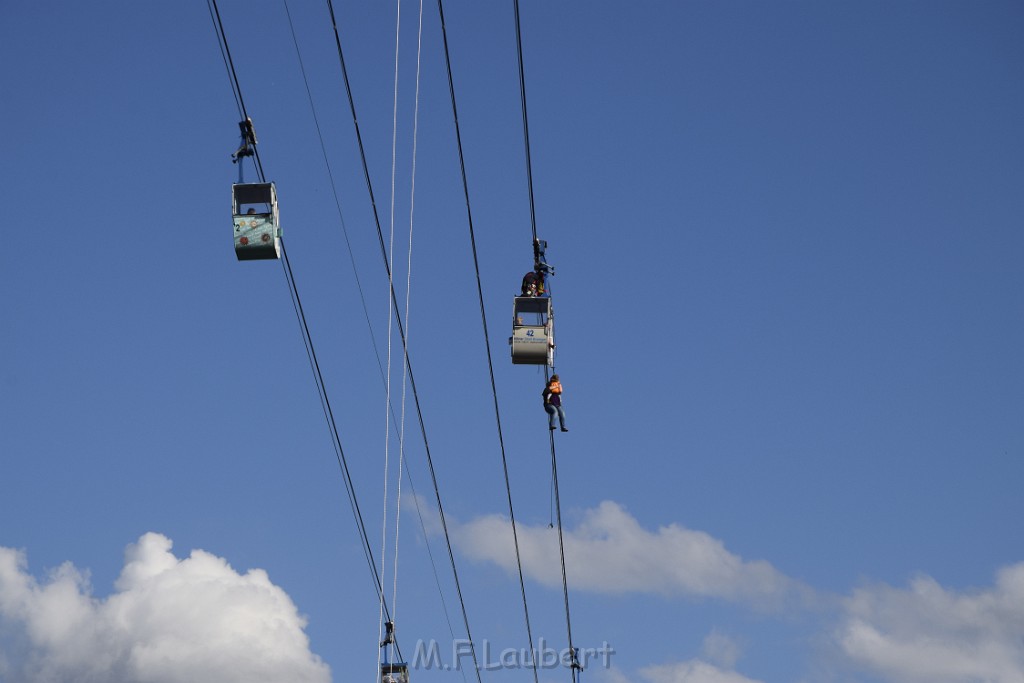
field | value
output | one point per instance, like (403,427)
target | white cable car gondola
(394,672)
(533,331)
(257,225)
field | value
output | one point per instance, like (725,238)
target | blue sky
(787,241)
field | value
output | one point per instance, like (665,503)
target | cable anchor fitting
(540,264)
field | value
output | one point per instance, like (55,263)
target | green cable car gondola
(257,224)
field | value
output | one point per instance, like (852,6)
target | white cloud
(610,552)
(720,649)
(612,675)
(927,634)
(169,621)
(693,671)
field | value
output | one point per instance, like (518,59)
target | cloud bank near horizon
(716,664)
(930,634)
(172,620)
(169,620)
(924,633)
(693,671)
(610,552)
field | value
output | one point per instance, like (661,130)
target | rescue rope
(369,325)
(380,365)
(408,291)
(561,552)
(391,301)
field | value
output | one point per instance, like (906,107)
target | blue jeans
(551,411)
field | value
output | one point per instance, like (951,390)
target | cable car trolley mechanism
(392,672)
(533,322)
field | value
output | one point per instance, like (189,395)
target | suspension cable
(235,86)
(574,668)
(366,315)
(227,64)
(332,424)
(487,339)
(337,200)
(401,330)
(561,551)
(526,123)
(306,336)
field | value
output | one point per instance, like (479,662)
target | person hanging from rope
(533,284)
(553,403)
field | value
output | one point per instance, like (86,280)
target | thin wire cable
(333,427)
(392,304)
(337,200)
(561,552)
(487,338)
(408,298)
(551,503)
(307,339)
(412,378)
(224,56)
(551,436)
(401,431)
(236,86)
(526,123)
(366,315)
(433,566)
